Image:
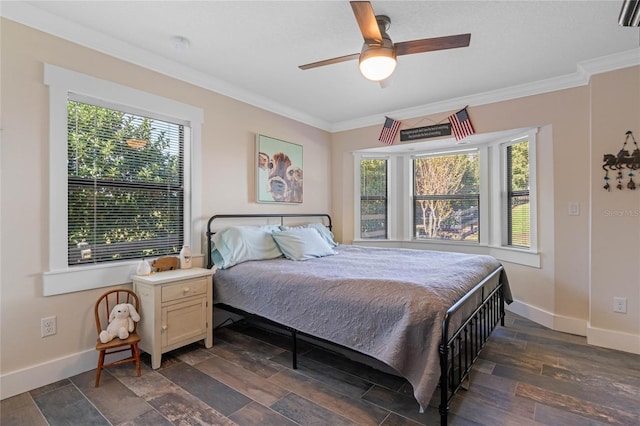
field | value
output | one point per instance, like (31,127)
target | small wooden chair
(103,308)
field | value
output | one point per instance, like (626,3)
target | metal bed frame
(459,348)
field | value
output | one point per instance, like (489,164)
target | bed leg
(294,349)
(444,382)
(501,296)
(443,418)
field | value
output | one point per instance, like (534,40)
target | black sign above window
(426,132)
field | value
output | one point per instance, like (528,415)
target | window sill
(514,255)
(505,254)
(87,277)
(83,278)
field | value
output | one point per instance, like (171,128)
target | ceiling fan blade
(330,61)
(431,44)
(367,22)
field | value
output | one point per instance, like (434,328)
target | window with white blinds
(125,185)
(446,197)
(373,198)
(518,205)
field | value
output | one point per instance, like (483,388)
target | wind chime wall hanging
(623,162)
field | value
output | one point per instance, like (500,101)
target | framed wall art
(279,171)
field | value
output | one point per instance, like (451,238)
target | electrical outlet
(620,305)
(47,326)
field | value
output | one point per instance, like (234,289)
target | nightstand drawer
(184,289)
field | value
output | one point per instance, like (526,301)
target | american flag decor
(389,131)
(461,124)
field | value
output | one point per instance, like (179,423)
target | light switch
(574,208)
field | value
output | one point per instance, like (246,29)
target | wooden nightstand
(176,308)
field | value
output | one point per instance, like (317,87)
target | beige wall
(615,215)
(572,291)
(574,288)
(228,150)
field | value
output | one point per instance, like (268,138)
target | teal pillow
(325,233)
(237,244)
(302,244)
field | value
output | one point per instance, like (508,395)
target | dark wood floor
(526,375)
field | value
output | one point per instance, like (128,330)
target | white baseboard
(595,336)
(614,340)
(26,379)
(531,313)
(549,319)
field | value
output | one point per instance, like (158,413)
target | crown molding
(585,70)
(34,17)
(616,61)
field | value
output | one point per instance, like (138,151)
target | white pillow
(237,244)
(325,233)
(302,244)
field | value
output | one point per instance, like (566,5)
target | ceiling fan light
(377,62)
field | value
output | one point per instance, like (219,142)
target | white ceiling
(250,50)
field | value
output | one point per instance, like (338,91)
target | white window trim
(391,213)
(500,186)
(60,278)
(356,190)
(492,197)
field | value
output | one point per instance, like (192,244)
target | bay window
(478,197)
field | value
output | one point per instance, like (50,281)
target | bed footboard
(460,348)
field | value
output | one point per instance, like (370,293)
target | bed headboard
(220,221)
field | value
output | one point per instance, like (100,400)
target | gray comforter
(386,303)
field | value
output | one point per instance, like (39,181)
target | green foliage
(373,177)
(520,225)
(98,147)
(373,192)
(520,166)
(119,194)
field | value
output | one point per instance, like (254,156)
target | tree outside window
(446,197)
(373,198)
(125,185)
(518,207)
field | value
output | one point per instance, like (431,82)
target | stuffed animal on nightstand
(121,322)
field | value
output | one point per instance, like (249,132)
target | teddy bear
(121,322)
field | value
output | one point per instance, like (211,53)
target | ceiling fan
(377,60)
